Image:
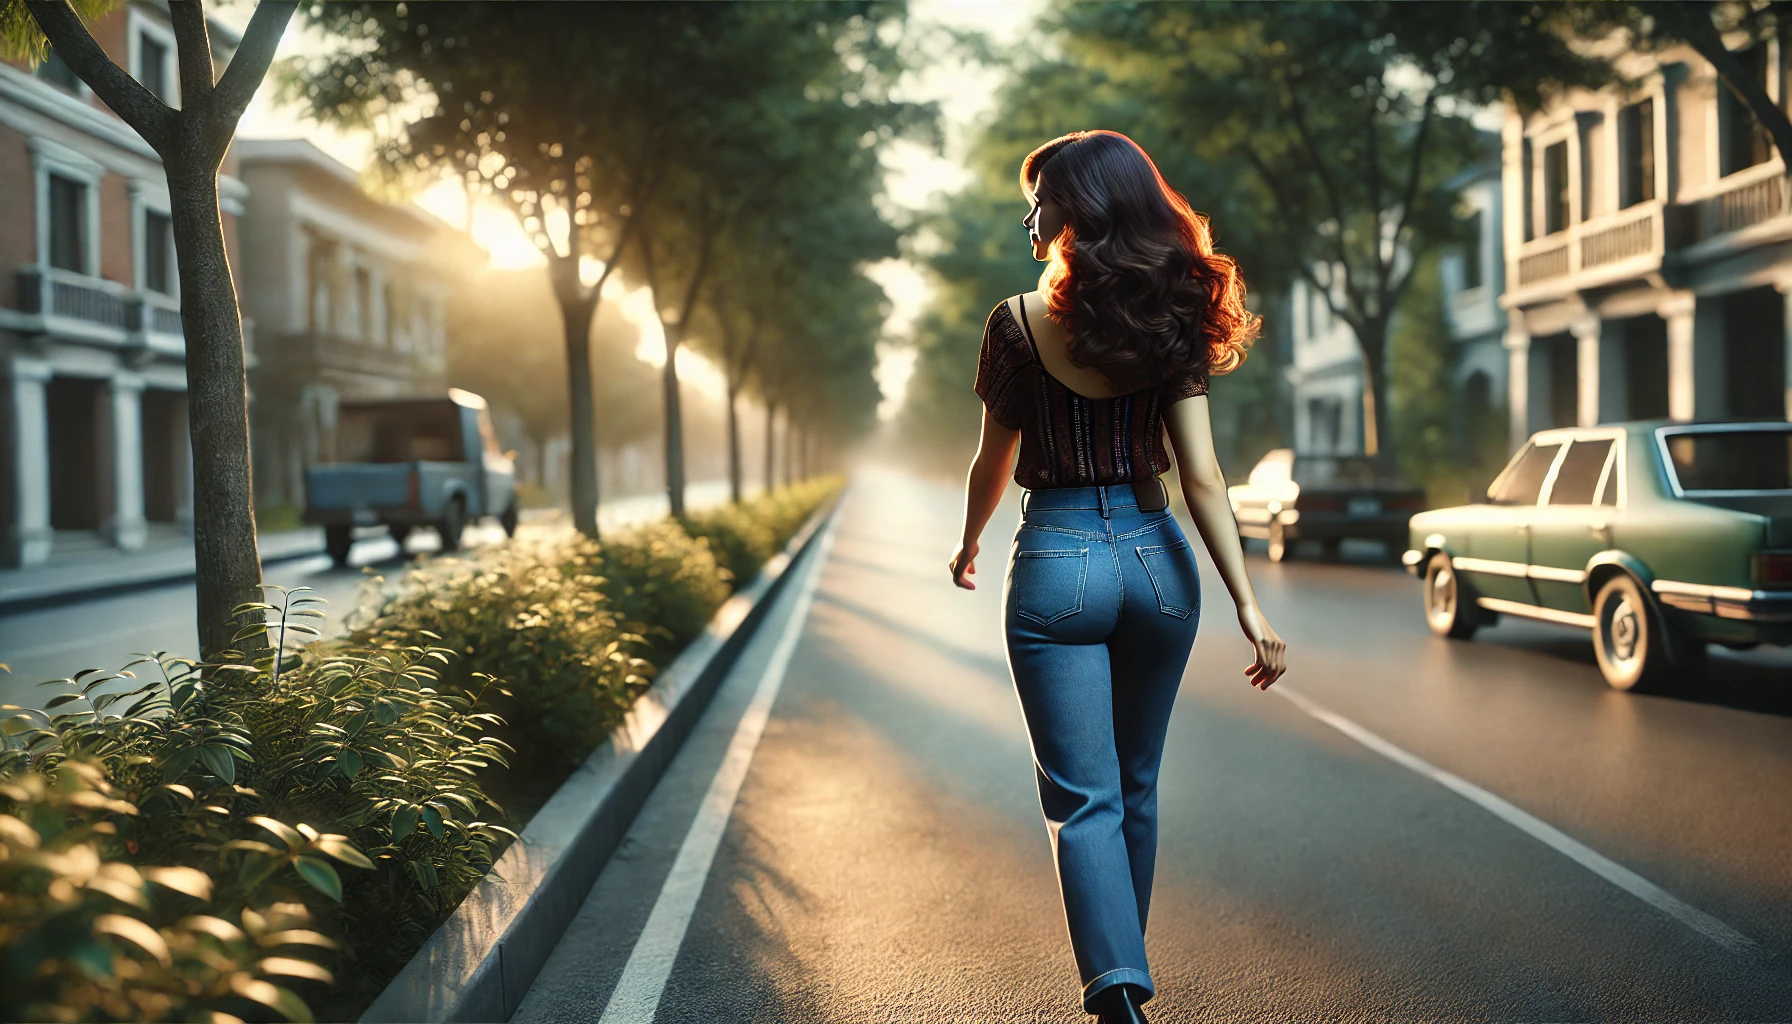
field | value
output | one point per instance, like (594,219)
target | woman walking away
(1102,595)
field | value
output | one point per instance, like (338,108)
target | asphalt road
(1622,858)
(108,633)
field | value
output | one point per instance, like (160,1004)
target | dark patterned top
(1066,439)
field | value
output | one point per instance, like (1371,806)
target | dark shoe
(1120,1005)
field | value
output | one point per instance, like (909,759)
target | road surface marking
(1573,849)
(637,995)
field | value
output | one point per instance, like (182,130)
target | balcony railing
(1756,195)
(96,310)
(1620,242)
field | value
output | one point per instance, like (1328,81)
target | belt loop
(1102,494)
(1026,492)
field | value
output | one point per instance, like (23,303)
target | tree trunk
(789,430)
(674,423)
(771,425)
(227,564)
(733,442)
(1378,438)
(577,313)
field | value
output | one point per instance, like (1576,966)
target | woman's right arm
(983,489)
(1204,489)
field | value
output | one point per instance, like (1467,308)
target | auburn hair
(1133,276)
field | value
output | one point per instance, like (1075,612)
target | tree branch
(1695,25)
(247,68)
(140,108)
(1323,170)
(193,54)
(1389,293)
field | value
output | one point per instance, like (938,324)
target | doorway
(164,455)
(1755,354)
(80,491)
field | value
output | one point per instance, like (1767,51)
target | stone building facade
(1648,243)
(93,434)
(350,294)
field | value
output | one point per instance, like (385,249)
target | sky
(917,175)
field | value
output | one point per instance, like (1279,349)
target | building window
(364,303)
(152,66)
(1636,154)
(1471,252)
(68,224)
(56,71)
(1592,175)
(158,252)
(1555,188)
(1745,142)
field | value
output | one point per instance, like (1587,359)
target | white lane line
(637,995)
(1582,854)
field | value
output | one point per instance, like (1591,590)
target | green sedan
(1659,537)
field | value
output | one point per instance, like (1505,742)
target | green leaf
(321,875)
(432,819)
(404,821)
(288,835)
(340,848)
(176,764)
(349,763)
(218,761)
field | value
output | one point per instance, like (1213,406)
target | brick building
(93,434)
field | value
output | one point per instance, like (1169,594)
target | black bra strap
(1027,328)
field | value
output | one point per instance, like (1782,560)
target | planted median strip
(341,803)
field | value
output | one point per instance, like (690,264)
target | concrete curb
(125,578)
(480,963)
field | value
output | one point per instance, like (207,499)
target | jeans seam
(1083,534)
(1147,528)
(1157,591)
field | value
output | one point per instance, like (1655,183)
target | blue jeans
(1100,606)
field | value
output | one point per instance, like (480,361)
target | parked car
(1291,497)
(409,462)
(1658,537)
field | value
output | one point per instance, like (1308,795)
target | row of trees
(723,155)
(1322,138)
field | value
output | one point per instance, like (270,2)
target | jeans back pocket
(1047,585)
(1174,576)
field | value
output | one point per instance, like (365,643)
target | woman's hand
(964,563)
(1271,652)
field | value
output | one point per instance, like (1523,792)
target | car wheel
(400,533)
(1449,608)
(1279,548)
(508,520)
(337,541)
(453,521)
(1628,638)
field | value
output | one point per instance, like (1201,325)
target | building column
(28,542)
(1586,330)
(128,528)
(1518,381)
(1678,312)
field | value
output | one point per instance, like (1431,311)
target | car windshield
(1732,460)
(400,432)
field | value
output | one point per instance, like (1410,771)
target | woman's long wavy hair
(1133,277)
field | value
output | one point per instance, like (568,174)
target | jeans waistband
(1101,496)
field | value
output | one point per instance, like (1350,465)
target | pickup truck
(409,462)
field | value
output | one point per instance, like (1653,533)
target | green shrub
(746,535)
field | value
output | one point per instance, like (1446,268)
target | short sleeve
(1183,384)
(998,366)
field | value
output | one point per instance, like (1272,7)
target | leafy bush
(745,536)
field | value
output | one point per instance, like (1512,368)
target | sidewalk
(91,573)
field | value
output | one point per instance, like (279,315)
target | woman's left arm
(983,489)
(1204,489)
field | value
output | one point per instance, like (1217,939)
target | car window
(1521,481)
(1578,478)
(1732,460)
